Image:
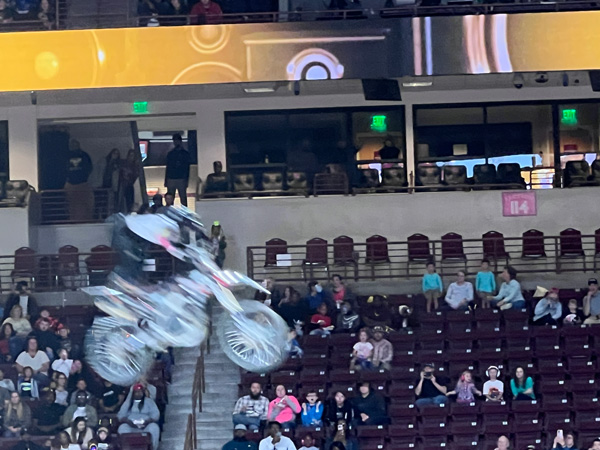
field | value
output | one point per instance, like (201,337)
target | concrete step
(214,433)
(212,444)
(215,416)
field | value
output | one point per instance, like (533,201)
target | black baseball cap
(592,281)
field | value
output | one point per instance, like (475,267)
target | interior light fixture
(258,90)
(417,83)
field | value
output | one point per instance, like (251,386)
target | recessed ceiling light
(417,84)
(258,90)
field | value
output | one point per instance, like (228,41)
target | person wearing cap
(239,441)
(139,414)
(591,303)
(275,440)
(493,389)
(510,294)
(81,408)
(383,351)
(103,437)
(548,310)
(430,390)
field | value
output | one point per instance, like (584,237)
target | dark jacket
(240,445)
(79,167)
(332,413)
(347,323)
(32,306)
(373,405)
(291,312)
(178,164)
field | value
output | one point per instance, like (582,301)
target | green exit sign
(140,108)
(378,123)
(569,117)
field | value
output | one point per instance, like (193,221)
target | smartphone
(559,433)
(340,427)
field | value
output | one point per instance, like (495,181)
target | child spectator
(574,315)
(26,385)
(321,320)
(493,389)
(312,410)
(432,286)
(295,349)
(348,321)
(522,386)
(62,394)
(485,283)
(308,442)
(465,389)
(362,352)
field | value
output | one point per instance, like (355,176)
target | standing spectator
(377,312)
(522,386)
(312,410)
(218,242)
(564,442)
(308,442)
(37,360)
(465,389)
(459,294)
(432,287)
(46,338)
(503,443)
(61,392)
(63,364)
(110,175)
(112,397)
(362,352)
(510,295)
(548,310)
(428,390)
(389,150)
(271,300)
(80,433)
(17,417)
(485,283)
(493,389)
(128,175)
(139,414)
(322,321)
(46,418)
(339,408)
(177,173)
(383,351)
(573,315)
(239,441)
(348,321)
(370,407)
(295,312)
(341,436)
(26,384)
(283,408)
(81,408)
(80,197)
(340,292)
(6,334)
(21,296)
(251,409)
(46,14)
(206,12)
(275,440)
(6,383)
(591,303)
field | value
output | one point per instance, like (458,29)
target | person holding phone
(275,440)
(429,389)
(564,441)
(343,436)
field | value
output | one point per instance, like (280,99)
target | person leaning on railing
(206,12)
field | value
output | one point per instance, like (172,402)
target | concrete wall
(15,229)
(49,238)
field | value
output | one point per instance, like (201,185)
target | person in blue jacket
(312,411)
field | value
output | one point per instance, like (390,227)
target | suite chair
(272,181)
(510,173)
(344,254)
(571,246)
(377,253)
(419,250)
(330,184)
(243,182)
(67,270)
(393,177)
(494,248)
(216,184)
(596,247)
(484,174)
(576,173)
(453,249)
(455,175)
(533,245)
(100,263)
(428,175)
(595,178)
(297,182)
(368,178)
(316,256)
(25,265)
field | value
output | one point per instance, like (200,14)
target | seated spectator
(377,312)
(21,327)
(283,408)
(25,9)
(139,414)
(81,386)
(46,418)
(26,384)
(37,360)
(308,442)
(339,408)
(503,443)
(146,8)
(64,442)
(275,440)
(429,390)
(172,8)
(348,321)
(370,407)
(573,315)
(45,314)
(27,444)
(564,441)
(112,397)
(312,410)
(340,292)
(465,389)
(522,386)
(6,383)
(60,390)
(548,310)
(322,321)
(103,439)
(4,399)
(218,181)
(251,409)
(493,389)
(80,433)
(206,12)
(157,202)
(46,338)
(295,349)
(6,334)
(149,389)
(342,436)
(510,295)
(63,364)
(485,283)
(81,408)
(287,295)
(6,12)
(315,297)
(383,351)
(595,445)
(272,300)
(22,297)
(362,352)
(64,341)
(294,312)
(459,294)
(432,287)
(239,441)
(591,303)
(17,416)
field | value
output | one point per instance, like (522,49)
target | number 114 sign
(519,204)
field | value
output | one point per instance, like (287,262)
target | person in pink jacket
(284,408)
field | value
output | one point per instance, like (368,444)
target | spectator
(219,243)
(389,150)
(573,315)
(4,399)
(348,321)
(428,390)
(17,417)
(21,327)
(339,408)
(80,433)
(503,443)
(251,409)
(272,300)
(275,440)
(284,408)
(63,364)
(591,303)
(218,181)
(287,295)
(596,445)
(46,338)
(37,360)
(128,175)
(566,442)
(62,395)
(6,12)
(6,334)
(110,174)
(139,414)
(295,349)
(64,341)
(81,408)
(322,321)
(80,197)
(295,311)
(312,410)
(383,351)
(341,437)
(493,389)
(315,296)
(510,295)
(173,8)
(46,418)
(45,314)
(149,389)
(377,312)
(308,442)
(548,310)
(169,201)
(26,384)
(177,173)
(22,296)
(6,383)
(27,444)
(522,386)
(239,441)
(103,437)
(46,14)
(370,407)
(157,203)
(112,397)
(432,287)
(64,442)
(146,8)
(459,294)
(465,389)
(485,283)
(206,11)
(362,352)
(340,292)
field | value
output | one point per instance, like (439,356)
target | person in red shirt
(206,12)
(322,321)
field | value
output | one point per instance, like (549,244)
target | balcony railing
(60,206)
